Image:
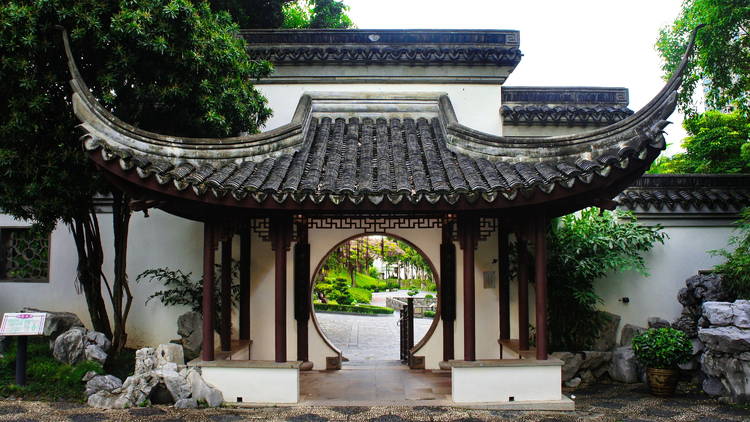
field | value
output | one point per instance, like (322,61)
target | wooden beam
(540,274)
(280,231)
(245,255)
(225,334)
(523,289)
(448,289)
(207,348)
(302,292)
(503,265)
(468,233)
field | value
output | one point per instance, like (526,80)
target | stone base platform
(252,381)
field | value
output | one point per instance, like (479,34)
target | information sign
(22,324)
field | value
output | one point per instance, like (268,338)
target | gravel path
(601,403)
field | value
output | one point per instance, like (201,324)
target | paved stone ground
(600,403)
(368,338)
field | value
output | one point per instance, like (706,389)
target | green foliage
(718,143)
(166,65)
(46,377)
(735,271)
(356,309)
(584,247)
(318,14)
(183,290)
(254,13)
(429,314)
(662,348)
(360,295)
(429,296)
(412,292)
(722,52)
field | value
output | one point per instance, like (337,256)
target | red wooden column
(302,289)
(448,289)
(280,231)
(523,289)
(540,255)
(207,348)
(504,280)
(468,232)
(225,333)
(245,284)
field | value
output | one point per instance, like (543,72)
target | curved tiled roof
(424,156)
(563,114)
(688,192)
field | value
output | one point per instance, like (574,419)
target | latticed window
(24,255)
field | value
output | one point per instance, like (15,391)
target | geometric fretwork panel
(24,254)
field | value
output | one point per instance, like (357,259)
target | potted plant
(660,351)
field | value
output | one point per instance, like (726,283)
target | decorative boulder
(56,323)
(190,330)
(629,332)
(624,366)
(95,353)
(202,391)
(70,347)
(656,323)
(99,383)
(571,363)
(169,353)
(99,340)
(145,360)
(725,339)
(607,339)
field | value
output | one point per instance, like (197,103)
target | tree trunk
(88,242)
(122,298)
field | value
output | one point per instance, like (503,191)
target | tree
(254,14)
(582,248)
(718,143)
(722,52)
(735,271)
(316,14)
(164,65)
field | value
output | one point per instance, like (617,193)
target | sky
(570,42)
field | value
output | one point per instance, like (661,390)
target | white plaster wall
(681,256)
(476,106)
(491,384)
(547,130)
(161,240)
(255,385)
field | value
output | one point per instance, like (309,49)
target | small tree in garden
(165,65)
(735,272)
(582,248)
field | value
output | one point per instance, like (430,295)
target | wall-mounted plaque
(23,324)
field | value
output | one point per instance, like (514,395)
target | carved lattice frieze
(25,255)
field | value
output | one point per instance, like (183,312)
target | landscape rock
(571,363)
(573,382)
(56,323)
(732,373)
(96,354)
(202,391)
(99,340)
(169,353)
(88,375)
(656,322)
(741,314)
(186,404)
(70,347)
(190,330)
(718,313)
(595,359)
(145,360)
(686,323)
(713,387)
(106,383)
(607,339)
(725,339)
(629,332)
(624,366)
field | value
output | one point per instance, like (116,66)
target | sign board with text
(22,324)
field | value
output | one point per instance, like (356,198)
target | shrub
(356,309)
(735,272)
(413,292)
(584,247)
(429,314)
(428,296)
(361,295)
(662,348)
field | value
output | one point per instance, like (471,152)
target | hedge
(355,309)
